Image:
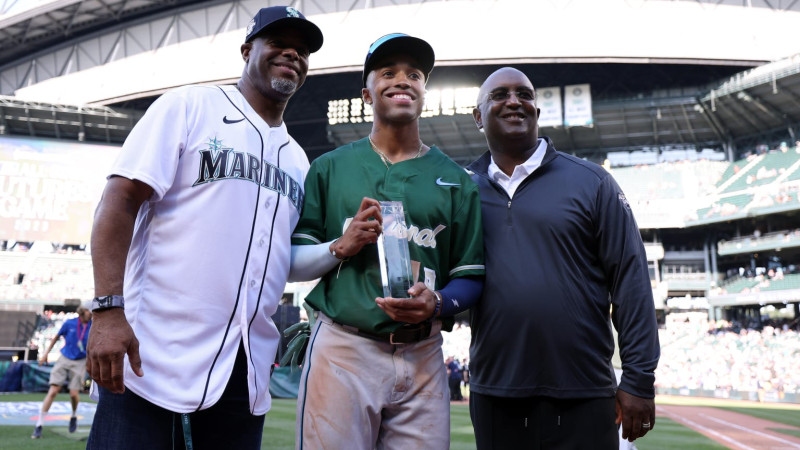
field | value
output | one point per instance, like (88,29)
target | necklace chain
(386,161)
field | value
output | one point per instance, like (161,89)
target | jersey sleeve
(467,248)
(151,152)
(623,257)
(311,227)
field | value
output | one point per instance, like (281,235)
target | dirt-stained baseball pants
(359,393)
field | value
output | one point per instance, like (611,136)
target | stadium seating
(726,207)
(767,241)
(794,176)
(733,169)
(725,360)
(765,171)
(738,285)
(46,277)
(676,180)
(791,281)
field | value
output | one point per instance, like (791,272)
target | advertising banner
(578,106)
(49,189)
(549,102)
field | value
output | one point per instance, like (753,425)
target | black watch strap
(108,301)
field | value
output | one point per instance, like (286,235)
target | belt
(407,334)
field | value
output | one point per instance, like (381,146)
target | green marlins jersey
(442,213)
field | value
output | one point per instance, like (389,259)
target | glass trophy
(393,256)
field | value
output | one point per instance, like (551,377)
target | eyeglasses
(502,95)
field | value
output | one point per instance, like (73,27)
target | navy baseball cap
(399,43)
(267,18)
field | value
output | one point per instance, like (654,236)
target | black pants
(455,389)
(128,422)
(543,423)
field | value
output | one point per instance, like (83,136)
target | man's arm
(313,261)
(111,336)
(43,356)
(633,310)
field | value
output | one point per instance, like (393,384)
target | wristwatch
(108,301)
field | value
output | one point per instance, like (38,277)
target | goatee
(285,87)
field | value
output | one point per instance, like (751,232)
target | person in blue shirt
(70,366)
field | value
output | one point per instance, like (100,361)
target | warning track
(732,429)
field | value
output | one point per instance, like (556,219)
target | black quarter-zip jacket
(564,259)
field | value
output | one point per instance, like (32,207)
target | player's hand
(42,361)
(364,229)
(110,339)
(632,412)
(418,307)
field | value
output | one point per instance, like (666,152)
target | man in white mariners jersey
(201,202)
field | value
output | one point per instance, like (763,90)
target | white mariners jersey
(210,252)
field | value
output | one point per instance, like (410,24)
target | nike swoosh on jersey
(226,120)
(445,183)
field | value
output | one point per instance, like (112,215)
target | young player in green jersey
(374,373)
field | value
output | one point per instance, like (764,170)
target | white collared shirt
(510,184)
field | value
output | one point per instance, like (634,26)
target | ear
(245,49)
(476,114)
(366,95)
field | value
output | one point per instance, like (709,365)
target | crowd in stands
(669,180)
(665,194)
(44,272)
(763,179)
(746,280)
(728,357)
(720,356)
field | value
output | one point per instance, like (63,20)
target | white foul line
(769,436)
(696,425)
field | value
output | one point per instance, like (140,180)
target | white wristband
(310,262)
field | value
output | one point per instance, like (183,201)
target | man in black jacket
(564,260)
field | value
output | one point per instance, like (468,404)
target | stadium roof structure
(757,106)
(29,27)
(646,99)
(89,123)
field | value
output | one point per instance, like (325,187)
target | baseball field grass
(279,427)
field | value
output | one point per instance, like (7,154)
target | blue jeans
(127,421)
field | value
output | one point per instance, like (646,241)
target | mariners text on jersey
(224,163)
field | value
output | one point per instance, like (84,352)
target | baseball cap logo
(383,39)
(291,12)
(250,27)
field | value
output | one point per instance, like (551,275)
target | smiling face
(395,89)
(276,63)
(507,109)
